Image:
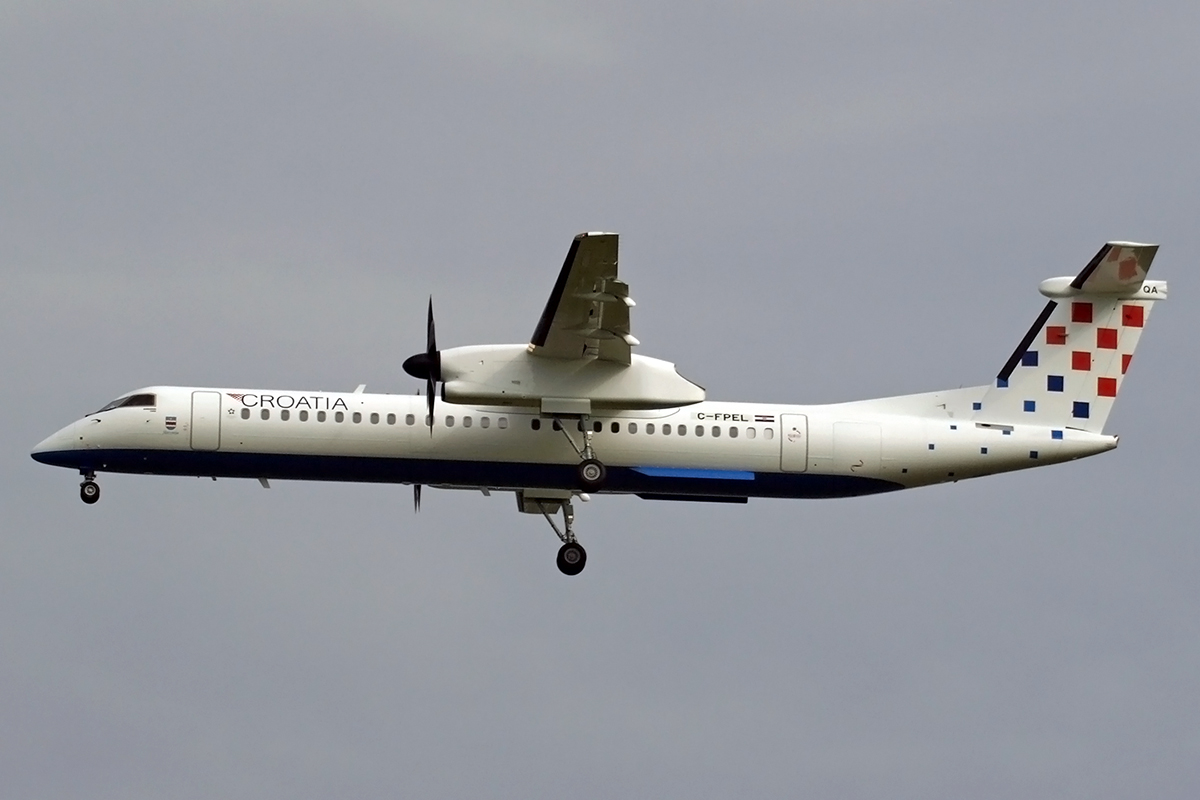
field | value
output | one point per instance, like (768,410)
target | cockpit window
(139,400)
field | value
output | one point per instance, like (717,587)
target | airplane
(574,412)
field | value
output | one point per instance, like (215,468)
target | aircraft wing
(587,315)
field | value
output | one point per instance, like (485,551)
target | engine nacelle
(509,375)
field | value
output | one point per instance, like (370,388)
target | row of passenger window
(357,417)
(666,429)
(650,428)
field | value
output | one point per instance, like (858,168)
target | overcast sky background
(817,202)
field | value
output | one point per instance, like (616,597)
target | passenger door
(206,420)
(793,453)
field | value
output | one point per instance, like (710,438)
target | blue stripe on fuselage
(501,475)
(710,474)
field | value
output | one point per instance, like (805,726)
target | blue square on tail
(1056,434)
(1031,405)
(1029,359)
(1081,410)
(1054,383)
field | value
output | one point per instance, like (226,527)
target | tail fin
(1070,365)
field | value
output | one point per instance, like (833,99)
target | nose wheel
(89,490)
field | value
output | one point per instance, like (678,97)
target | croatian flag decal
(170,423)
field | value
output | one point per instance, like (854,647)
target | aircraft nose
(56,443)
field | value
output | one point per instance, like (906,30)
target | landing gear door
(206,420)
(793,443)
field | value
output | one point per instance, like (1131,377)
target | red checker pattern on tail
(1125,359)
(1081,361)
(1106,387)
(1133,316)
(1081,312)
(1056,334)
(1106,338)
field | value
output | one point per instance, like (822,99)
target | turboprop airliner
(574,413)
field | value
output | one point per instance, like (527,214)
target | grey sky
(817,202)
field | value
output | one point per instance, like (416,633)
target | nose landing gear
(89,490)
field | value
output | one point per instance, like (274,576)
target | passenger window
(733,432)
(667,430)
(409,419)
(597,426)
(449,422)
(557,425)
(304,416)
(466,422)
(265,413)
(633,427)
(357,417)
(245,413)
(374,419)
(428,421)
(285,415)
(750,433)
(699,430)
(391,419)
(768,433)
(320,416)
(502,423)
(716,431)
(339,417)
(650,427)
(616,427)
(536,424)
(683,430)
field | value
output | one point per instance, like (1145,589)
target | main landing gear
(591,471)
(89,490)
(571,556)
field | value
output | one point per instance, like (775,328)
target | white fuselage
(705,450)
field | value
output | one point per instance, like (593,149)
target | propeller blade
(416,498)
(430,333)
(435,366)
(427,366)
(430,389)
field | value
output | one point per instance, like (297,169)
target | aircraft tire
(592,473)
(571,558)
(89,492)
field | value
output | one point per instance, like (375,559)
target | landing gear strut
(89,490)
(572,558)
(590,471)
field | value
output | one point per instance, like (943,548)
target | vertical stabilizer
(1070,366)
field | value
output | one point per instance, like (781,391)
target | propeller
(416,498)
(427,365)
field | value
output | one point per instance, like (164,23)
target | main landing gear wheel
(89,491)
(571,558)
(592,473)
